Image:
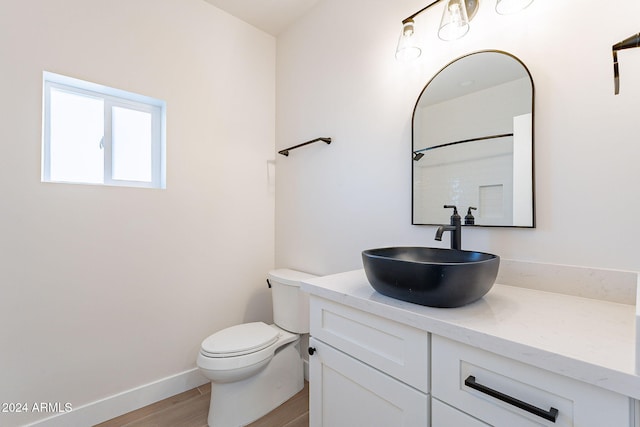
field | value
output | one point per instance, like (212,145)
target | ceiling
(271,16)
(472,73)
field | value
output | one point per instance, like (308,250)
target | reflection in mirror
(473,142)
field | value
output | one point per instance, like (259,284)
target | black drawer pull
(551,414)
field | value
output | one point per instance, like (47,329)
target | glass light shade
(407,48)
(506,7)
(455,21)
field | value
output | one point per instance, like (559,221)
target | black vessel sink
(431,276)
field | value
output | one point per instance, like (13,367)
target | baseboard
(305,366)
(127,401)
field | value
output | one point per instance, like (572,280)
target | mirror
(473,143)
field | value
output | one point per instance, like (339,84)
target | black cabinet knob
(311,351)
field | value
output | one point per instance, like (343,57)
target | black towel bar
(285,152)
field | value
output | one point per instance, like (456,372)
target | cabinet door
(443,415)
(345,392)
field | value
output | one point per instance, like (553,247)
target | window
(94,134)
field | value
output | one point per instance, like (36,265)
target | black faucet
(455,228)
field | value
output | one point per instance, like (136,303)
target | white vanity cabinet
(365,370)
(504,392)
(520,357)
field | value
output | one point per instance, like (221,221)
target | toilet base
(240,403)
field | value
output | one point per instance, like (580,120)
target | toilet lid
(240,339)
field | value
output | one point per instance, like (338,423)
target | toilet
(255,367)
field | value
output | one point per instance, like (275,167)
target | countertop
(590,340)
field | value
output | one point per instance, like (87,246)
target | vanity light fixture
(455,21)
(407,48)
(453,25)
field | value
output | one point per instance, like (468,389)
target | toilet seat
(239,340)
(225,363)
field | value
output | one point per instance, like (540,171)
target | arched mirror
(473,143)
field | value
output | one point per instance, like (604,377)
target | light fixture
(507,7)
(455,21)
(407,47)
(454,24)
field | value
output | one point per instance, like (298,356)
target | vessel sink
(431,276)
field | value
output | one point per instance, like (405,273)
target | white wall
(103,289)
(337,76)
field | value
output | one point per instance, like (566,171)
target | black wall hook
(628,43)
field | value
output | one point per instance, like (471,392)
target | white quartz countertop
(586,339)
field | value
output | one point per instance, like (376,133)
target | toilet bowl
(255,367)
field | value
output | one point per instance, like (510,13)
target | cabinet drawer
(345,392)
(396,349)
(497,390)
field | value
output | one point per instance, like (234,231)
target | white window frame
(112,98)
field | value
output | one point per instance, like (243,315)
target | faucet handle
(455,218)
(469,219)
(455,209)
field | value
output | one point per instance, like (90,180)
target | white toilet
(255,367)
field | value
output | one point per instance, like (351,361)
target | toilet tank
(290,303)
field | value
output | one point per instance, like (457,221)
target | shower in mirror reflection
(455,23)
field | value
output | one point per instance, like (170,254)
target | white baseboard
(127,401)
(305,366)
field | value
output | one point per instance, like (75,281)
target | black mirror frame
(533,176)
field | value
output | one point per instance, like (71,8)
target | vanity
(546,346)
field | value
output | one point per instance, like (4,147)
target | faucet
(455,228)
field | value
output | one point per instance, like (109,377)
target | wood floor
(189,409)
